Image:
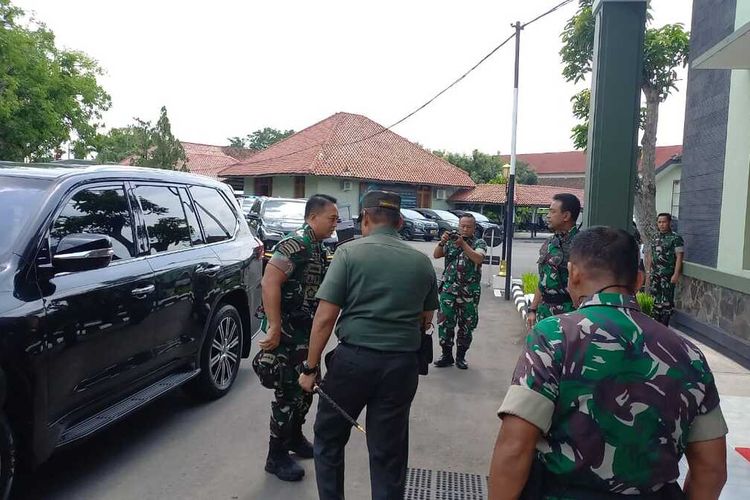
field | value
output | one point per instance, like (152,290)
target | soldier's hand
(445,237)
(307,382)
(675,279)
(272,339)
(530,320)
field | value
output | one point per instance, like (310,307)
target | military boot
(281,464)
(298,443)
(447,358)
(461,358)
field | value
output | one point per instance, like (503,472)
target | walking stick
(339,409)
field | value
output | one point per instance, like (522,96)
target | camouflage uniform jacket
(553,271)
(302,258)
(462,277)
(664,252)
(616,395)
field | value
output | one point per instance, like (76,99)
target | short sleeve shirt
(616,395)
(664,252)
(382,286)
(553,267)
(461,275)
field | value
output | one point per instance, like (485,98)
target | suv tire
(219,356)
(7,458)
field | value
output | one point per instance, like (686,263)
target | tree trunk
(645,198)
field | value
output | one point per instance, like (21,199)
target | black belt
(373,351)
(556,299)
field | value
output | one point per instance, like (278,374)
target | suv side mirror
(83,252)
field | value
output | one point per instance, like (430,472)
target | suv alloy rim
(225,352)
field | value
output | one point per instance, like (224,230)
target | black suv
(117,285)
(273,218)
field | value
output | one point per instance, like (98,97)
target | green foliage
(145,144)
(260,139)
(646,303)
(530,282)
(47,95)
(487,169)
(665,49)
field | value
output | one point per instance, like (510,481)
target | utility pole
(509,202)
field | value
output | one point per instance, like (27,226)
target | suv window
(97,210)
(166,226)
(195,228)
(218,218)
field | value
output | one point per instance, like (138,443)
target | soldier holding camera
(460,290)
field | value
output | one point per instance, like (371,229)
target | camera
(454,235)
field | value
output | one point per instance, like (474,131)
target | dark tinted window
(19,200)
(218,218)
(100,210)
(162,210)
(195,229)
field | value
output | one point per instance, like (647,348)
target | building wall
(715,305)
(664,183)
(705,135)
(567,181)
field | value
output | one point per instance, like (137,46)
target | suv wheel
(220,355)
(7,458)
(408,234)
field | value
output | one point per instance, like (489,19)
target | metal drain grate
(425,484)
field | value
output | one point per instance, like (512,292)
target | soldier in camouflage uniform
(290,283)
(460,290)
(605,401)
(552,297)
(667,252)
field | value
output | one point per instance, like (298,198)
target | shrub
(530,282)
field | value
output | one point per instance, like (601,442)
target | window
(675,209)
(196,238)
(166,226)
(99,210)
(424,197)
(299,186)
(218,218)
(263,186)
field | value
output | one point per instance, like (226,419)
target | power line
(420,108)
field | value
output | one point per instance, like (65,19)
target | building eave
(733,52)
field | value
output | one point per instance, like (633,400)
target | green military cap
(381,199)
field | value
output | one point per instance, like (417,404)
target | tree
(145,144)
(488,169)
(260,139)
(665,49)
(48,96)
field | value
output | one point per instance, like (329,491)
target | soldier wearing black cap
(386,293)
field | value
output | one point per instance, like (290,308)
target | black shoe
(446,359)
(299,445)
(281,464)
(461,359)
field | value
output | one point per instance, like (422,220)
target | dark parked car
(485,227)
(417,225)
(273,218)
(445,220)
(117,285)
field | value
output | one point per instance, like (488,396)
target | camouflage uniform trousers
(545,310)
(457,311)
(291,403)
(662,289)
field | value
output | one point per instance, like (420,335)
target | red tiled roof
(494,194)
(352,146)
(574,162)
(207,159)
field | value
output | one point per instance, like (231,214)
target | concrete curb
(516,289)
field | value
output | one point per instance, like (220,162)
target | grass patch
(646,303)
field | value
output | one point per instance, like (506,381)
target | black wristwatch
(307,370)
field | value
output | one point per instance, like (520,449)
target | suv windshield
(445,215)
(283,209)
(479,217)
(412,214)
(20,198)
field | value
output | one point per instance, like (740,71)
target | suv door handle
(210,270)
(138,292)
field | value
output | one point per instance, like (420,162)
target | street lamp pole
(509,202)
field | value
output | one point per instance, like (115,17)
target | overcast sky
(228,67)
